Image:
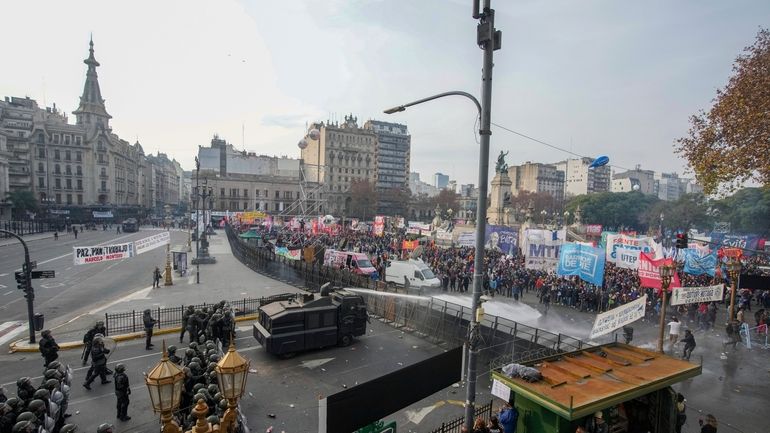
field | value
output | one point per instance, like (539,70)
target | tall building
(76,166)
(670,187)
(245,181)
(342,154)
(5,206)
(393,153)
(579,179)
(440,180)
(418,187)
(634,180)
(538,178)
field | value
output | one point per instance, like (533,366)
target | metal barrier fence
(26,227)
(169,317)
(456,425)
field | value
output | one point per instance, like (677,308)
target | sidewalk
(33,238)
(227,279)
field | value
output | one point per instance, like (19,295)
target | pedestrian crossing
(9,330)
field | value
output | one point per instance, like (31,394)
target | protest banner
(379,225)
(627,258)
(466,239)
(618,317)
(594,230)
(645,244)
(409,245)
(696,295)
(151,242)
(502,238)
(295,254)
(582,260)
(649,272)
(105,253)
(696,263)
(541,248)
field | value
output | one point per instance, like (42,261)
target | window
(40,138)
(80,184)
(266,194)
(329,319)
(67,154)
(57,183)
(79,170)
(104,185)
(103,171)
(68,169)
(58,198)
(276,207)
(80,196)
(69,198)
(41,152)
(78,156)
(245,206)
(41,182)
(56,154)
(68,182)
(277,194)
(56,140)
(287,194)
(245,192)
(40,167)
(78,141)
(67,141)
(221,192)
(57,169)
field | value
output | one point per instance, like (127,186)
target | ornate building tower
(91,111)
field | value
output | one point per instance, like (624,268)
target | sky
(596,77)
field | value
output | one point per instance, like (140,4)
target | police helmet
(198,387)
(212,389)
(68,428)
(27,416)
(120,368)
(218,396)
(222,404)
(54,365)
(195,360)
(213,419)
(193,345)
(189,353)
(52,374)
(199,396)
(194,367)
(51,384)
(15,403)
(23,381)
(42,394)
(171,349)
(36,405)
(5,408)
(46,332)
(105,428)
(22,426)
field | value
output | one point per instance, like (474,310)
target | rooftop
(579,383)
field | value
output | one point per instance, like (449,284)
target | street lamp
(666,273)
(164,382)
(734,269)
(231,371)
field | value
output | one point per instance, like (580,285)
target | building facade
(76,165)
(418,187)
(580,179)
(440,180)
(244,181)
(343,153)
(537,178)
(634,180)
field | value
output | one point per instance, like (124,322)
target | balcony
(103,176)
(103,162)
(103,191)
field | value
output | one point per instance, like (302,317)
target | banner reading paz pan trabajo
(618,317)
(105,253)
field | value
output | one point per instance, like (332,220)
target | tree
(730,144)
(21,202)
(747,211)
(613,209)
(362,200)
(540,201)
(690,211)
(394,201)
(447,199)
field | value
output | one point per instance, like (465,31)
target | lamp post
(734,269)
(232,371)
(666,272)
(164,382)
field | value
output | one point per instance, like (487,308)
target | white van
(416,272)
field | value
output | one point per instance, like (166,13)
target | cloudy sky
(597,77)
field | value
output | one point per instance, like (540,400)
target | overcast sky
(598,77)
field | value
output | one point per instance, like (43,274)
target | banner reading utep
(649,272)
(582,260)
(541,248)
(152,242)
(105,253)
(627,258)
(644,244)
(618,317)
(696,295)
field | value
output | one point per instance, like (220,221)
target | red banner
(649,272)
(409,245)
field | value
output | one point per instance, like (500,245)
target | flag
(649,272)
(697,264)
(582,260)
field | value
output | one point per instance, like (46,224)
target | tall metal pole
(29,292)
(666,272)
(197,221)
(489,40)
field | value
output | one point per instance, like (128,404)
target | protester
(689,344)
(509,417)
(710,426)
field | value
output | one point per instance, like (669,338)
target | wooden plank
(587,365)
(624,363)
(646,354)
(566,371)
(626,355)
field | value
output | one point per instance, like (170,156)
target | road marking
(3,286)
(7,293)
(51,285)
(4,275)
(49,260)
(313,363)
(9,330)
(67,269)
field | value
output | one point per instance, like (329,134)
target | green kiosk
(629,388)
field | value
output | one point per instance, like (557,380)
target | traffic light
(21,281)
(681,241)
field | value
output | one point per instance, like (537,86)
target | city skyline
(614,80)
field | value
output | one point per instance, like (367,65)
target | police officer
(98,364)
(149,324)
(122,391)
(24,389)
(185,322)
(48,347)
(172,355)
(88,339)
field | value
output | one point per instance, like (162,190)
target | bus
(130,225)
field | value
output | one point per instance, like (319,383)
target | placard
(501,390)
(105,253)
(696,295)
(618,317)
(151,242)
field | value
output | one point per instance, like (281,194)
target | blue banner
(584,261)
(748,242)
(697,264)
(503,238)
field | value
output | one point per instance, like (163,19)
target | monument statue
(501,166)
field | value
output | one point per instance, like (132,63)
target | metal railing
(170,317)
(23,228)
(456,425)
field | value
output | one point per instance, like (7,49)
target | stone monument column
(500,193)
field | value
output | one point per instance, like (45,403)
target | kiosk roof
(579,383)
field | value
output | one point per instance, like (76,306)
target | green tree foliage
(363,200)
(446,200)
(689,212)
(614,210)
(729,145)
(22,201)
(747,211)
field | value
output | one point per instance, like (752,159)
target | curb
(24,347)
